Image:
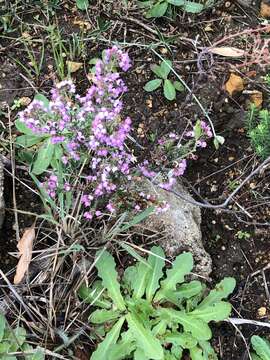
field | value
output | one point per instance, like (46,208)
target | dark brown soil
(213,175)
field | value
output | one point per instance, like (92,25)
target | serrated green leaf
(101,316)
(184,340)
(140,280)
(144,338)
(157,263)
(104,348)
(94,295)
(179,86)
(197,327)
(2,326)
(82,4)
(157,10)
(181,266)
(44,157)
(169,90)
(152,85)
(106,271)
(43,99)
(261,346)
(214,312)
(27,141)
(165,68)
(222,291)
(21,126)
(193,7)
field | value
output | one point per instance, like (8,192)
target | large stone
(179,227)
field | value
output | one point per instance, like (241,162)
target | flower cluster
(90,125)
(90,131)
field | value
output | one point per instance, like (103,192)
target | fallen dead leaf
(257,99)
(234,84)
(73,66)
(25,246)
(227,51)
(24,101)
(265,10)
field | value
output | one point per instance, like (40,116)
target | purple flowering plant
(77,145)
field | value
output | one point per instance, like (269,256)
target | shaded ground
(238,246)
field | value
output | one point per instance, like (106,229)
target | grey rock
(180,228)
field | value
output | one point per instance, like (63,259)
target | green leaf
(152,85)
(197,354)
(140,280)
(157,10)
(261,346)
(94,295)
(44,157)
(2,326)
(197,130)
(82,4)
(122,349)
(221,291)
(106,271)
(101,316)
(140,355)
(104,348)
(43,99)
(156,70)
(21,126)
(27,141)
(128,278)
(197,327)
(169,90)
(185,340)
(134,253)
(181,266)
(184,291)
(193,7)
(157,263)
(178,86)
(255,357)
(208,351)
(138,218)
(144,338)
(218,140)
(20,334)
(165,68)
(176,2)
(214,312)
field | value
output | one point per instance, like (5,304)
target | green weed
(162,72)
(150,314)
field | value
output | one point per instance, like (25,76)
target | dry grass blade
(25,246)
